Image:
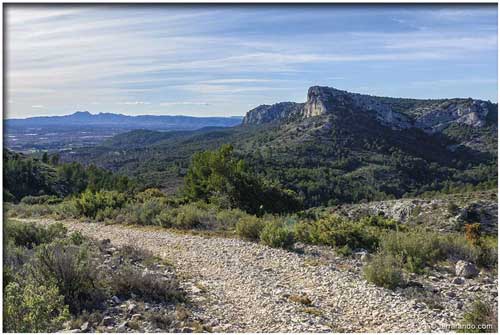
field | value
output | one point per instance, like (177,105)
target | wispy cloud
(142,57)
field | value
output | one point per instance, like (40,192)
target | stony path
(241,286)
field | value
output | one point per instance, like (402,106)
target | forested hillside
(338,147)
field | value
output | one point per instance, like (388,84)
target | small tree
(45,157)
(215,174)
(473,233)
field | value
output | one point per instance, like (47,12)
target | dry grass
(300,299)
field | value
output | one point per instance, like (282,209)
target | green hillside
(343,155)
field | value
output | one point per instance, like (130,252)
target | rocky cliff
(429,115)
(270,113)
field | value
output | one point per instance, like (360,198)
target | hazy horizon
(201,60)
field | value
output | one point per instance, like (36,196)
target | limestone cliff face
(270,113)
(319,100)
(429,115)
(464,111)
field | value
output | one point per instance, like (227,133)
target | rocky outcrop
(462,111)
(270,113)
(466,269)
(429,115)
(446,214)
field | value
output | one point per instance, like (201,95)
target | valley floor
(239,286)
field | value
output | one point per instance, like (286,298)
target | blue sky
(224,60)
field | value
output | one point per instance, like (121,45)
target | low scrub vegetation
(277,235)
(51,278)
(338,232)
(250,227)
(151,286)
(384,270)
(480,318)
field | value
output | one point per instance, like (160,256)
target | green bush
(22,210)
(32,307)
(250,227)
(14,257)
(66,210)
(336,231)
(73,269)
(420,248)
(481,318)
(228,218)
(145,213)
(41,199)
(90,203)
(380,222)
(149,194)
(275,234)
(384,270)
(166,218)
(486,252)
(30,234)
(191,216)
(107,214)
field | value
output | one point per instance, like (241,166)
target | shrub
(14,257)
(161,321)
(133,254)
(33,308)
(481,318)
(151,286)
(26,211)
(473,233)
(250,227)
(275,234)
(41,199)
(149,194)
(107,214)
(420,248)
(166,218)
(486,252)
(191,216)
(344,251)
(30,234)
(77,238)
(74,272)
(338,232)
(145,213)
(379,222)
(228,218)
(66,209)
(384,270)
(90,203)
(453,208)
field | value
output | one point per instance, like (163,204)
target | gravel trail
(240,286)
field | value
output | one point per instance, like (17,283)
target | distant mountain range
(110,120)
(83,129)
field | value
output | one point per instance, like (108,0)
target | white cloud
(38,106)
